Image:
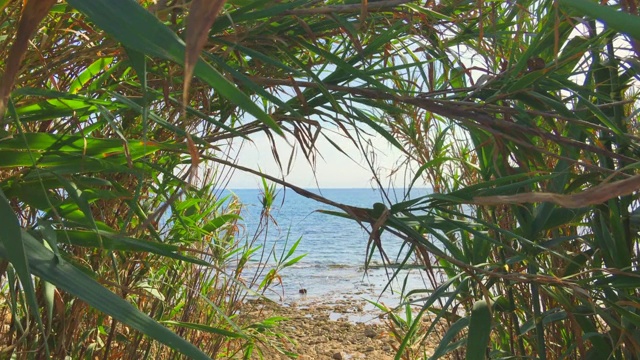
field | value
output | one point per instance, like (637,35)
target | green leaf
(117,242)
(216,223)
(78,198)
(68,278)
(3,4)
(479,331)
(48,233)
(137,28)
(88,74)
(12,244)
(445,344)
(294,260)
(618,20)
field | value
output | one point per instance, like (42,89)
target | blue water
(335,247)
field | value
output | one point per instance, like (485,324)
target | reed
(521,116)
(529,218)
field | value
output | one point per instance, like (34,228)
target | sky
(333,168)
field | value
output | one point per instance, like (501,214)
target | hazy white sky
(333,169)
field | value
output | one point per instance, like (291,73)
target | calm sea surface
(335,247)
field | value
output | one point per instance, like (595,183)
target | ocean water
(335,248)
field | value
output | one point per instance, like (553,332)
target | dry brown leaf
(201,16)
(33,12)
(195,160)
(596,195)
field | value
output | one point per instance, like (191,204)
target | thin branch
(372,6)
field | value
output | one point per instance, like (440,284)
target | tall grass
(192,279)
(531,218)
(104,201)
(520,115)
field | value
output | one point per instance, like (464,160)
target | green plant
(534,180)
(521,117)
(405,328)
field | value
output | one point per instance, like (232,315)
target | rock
(370,332)
(318,334)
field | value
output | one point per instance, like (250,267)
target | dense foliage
(520,115)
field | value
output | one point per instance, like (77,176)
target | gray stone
(370,332)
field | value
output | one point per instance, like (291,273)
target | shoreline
(345,282)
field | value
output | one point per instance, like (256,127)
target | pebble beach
(332,329)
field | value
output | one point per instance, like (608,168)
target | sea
(335,248)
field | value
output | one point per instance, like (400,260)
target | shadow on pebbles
(340,330)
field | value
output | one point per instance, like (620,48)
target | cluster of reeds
(533,216)
(521,115)
(134,250)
